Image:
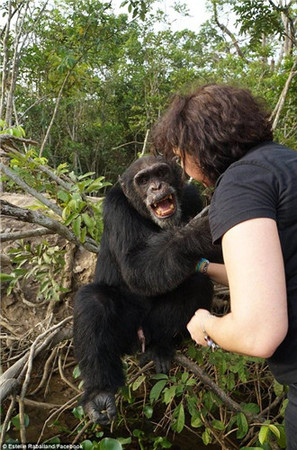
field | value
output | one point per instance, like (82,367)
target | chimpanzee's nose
(156,185)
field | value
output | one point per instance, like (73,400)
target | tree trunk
(5,62)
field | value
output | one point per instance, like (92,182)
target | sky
(197,13)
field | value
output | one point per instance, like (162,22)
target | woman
(224,139)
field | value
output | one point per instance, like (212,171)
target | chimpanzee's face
(154,191)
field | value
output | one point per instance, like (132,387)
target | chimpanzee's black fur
(145,281)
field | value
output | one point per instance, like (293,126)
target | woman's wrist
(215,271)
(205,317)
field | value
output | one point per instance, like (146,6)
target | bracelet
(208,340)
(202,266)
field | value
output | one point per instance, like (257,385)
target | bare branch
(281,101)
(145,142)
(40,405)
(8,138)
(4,237)
(6,421)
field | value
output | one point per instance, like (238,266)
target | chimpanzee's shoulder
(116,206)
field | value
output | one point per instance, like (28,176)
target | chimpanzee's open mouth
(165,207)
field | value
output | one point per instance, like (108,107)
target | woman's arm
(258,320)
(217,273)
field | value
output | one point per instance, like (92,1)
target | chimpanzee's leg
(169,316)
(106,321)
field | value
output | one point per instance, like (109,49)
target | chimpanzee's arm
(154,261)
(168,258)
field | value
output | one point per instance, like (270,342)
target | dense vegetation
(81,88)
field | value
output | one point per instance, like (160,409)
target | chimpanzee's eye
(142,180)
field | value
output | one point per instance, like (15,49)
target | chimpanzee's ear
(123,185)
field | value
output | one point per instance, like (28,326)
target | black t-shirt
(264,184)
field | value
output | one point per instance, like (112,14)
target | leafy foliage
(120,73)
(42,263)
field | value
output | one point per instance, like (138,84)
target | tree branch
(14,177)
(228,32)
(4,237)
(9,138)
(281,101)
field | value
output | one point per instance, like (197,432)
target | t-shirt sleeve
(246,191)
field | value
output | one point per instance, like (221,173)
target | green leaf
(274,430)
(78,412)
(138,382)
(47,258)
(86,175)
(156,390)
(110,444)
(16,421)
(63,196)
(76,372)
(7,277)
(180,421)
(76,224)
(278,388)
(242,424)
(148,411)
(263,433)
(159,376)
(89,221)
(184,377)
(218,425)
(252,408)
(169,393)
(196,422)
(206,437)
(87,445)
(83,234)
(191,382)
(282,439)
(68,218)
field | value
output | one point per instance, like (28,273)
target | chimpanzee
(146,289)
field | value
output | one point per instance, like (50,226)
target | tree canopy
(88,84)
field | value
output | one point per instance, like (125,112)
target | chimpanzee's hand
(162,363)
(102,408)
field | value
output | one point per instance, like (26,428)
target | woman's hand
(196,326)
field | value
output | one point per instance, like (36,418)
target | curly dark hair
(217,124)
